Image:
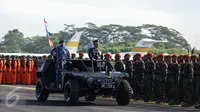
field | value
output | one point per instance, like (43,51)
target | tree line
(113,38)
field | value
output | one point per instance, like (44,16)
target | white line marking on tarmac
(21,87)
(98,109)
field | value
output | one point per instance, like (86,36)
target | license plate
(107,86)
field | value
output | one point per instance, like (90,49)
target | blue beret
(61,41)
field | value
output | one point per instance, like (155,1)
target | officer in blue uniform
(61,53)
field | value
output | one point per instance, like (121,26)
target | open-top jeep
(80,78)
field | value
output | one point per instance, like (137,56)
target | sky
(27,15)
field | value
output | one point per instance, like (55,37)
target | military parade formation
(163,78)
(170,79)
(19,70)
(160,78)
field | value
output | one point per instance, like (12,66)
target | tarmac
(21,98)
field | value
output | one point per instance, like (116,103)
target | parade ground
(21,98)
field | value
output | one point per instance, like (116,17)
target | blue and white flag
(46,28)
(48,33)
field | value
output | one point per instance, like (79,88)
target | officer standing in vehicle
(95,54)
(62,53)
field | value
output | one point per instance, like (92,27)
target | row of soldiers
(171,78)
(22,70)
(19,70)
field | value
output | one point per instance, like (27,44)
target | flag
(45,21)
(50,42)
(48,33)
(46,28)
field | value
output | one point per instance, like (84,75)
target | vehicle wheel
(41,93)
(71,92)
(123,95)
(90,98)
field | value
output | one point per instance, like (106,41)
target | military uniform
(173,80)
(187,83)
(73,56)
(197,82)
(95,54)
(81,54)
(128,67)
(160,79)
(61,53)
(138,76)
(196,68)
(148,82)
(119,65)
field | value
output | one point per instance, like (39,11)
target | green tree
(14,41)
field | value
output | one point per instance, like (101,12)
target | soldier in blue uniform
(61,53)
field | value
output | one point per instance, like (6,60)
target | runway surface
(27,102)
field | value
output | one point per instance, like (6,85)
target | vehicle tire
(42,93)
(90,98)
(123,94)
(71,92)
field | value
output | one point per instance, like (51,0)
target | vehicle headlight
(88,79)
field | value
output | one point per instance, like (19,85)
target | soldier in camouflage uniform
(173,79)
(107,64)
(155,59)
(155,87)
(196,73)
(187,81)
(160,78)
(144,58)
(119,65)
(197,84)
(150,67)
(73,56)
(138,75)
(169,78)
(128,67)
(81,54)
(181,63)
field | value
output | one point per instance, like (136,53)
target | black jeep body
(79,78)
